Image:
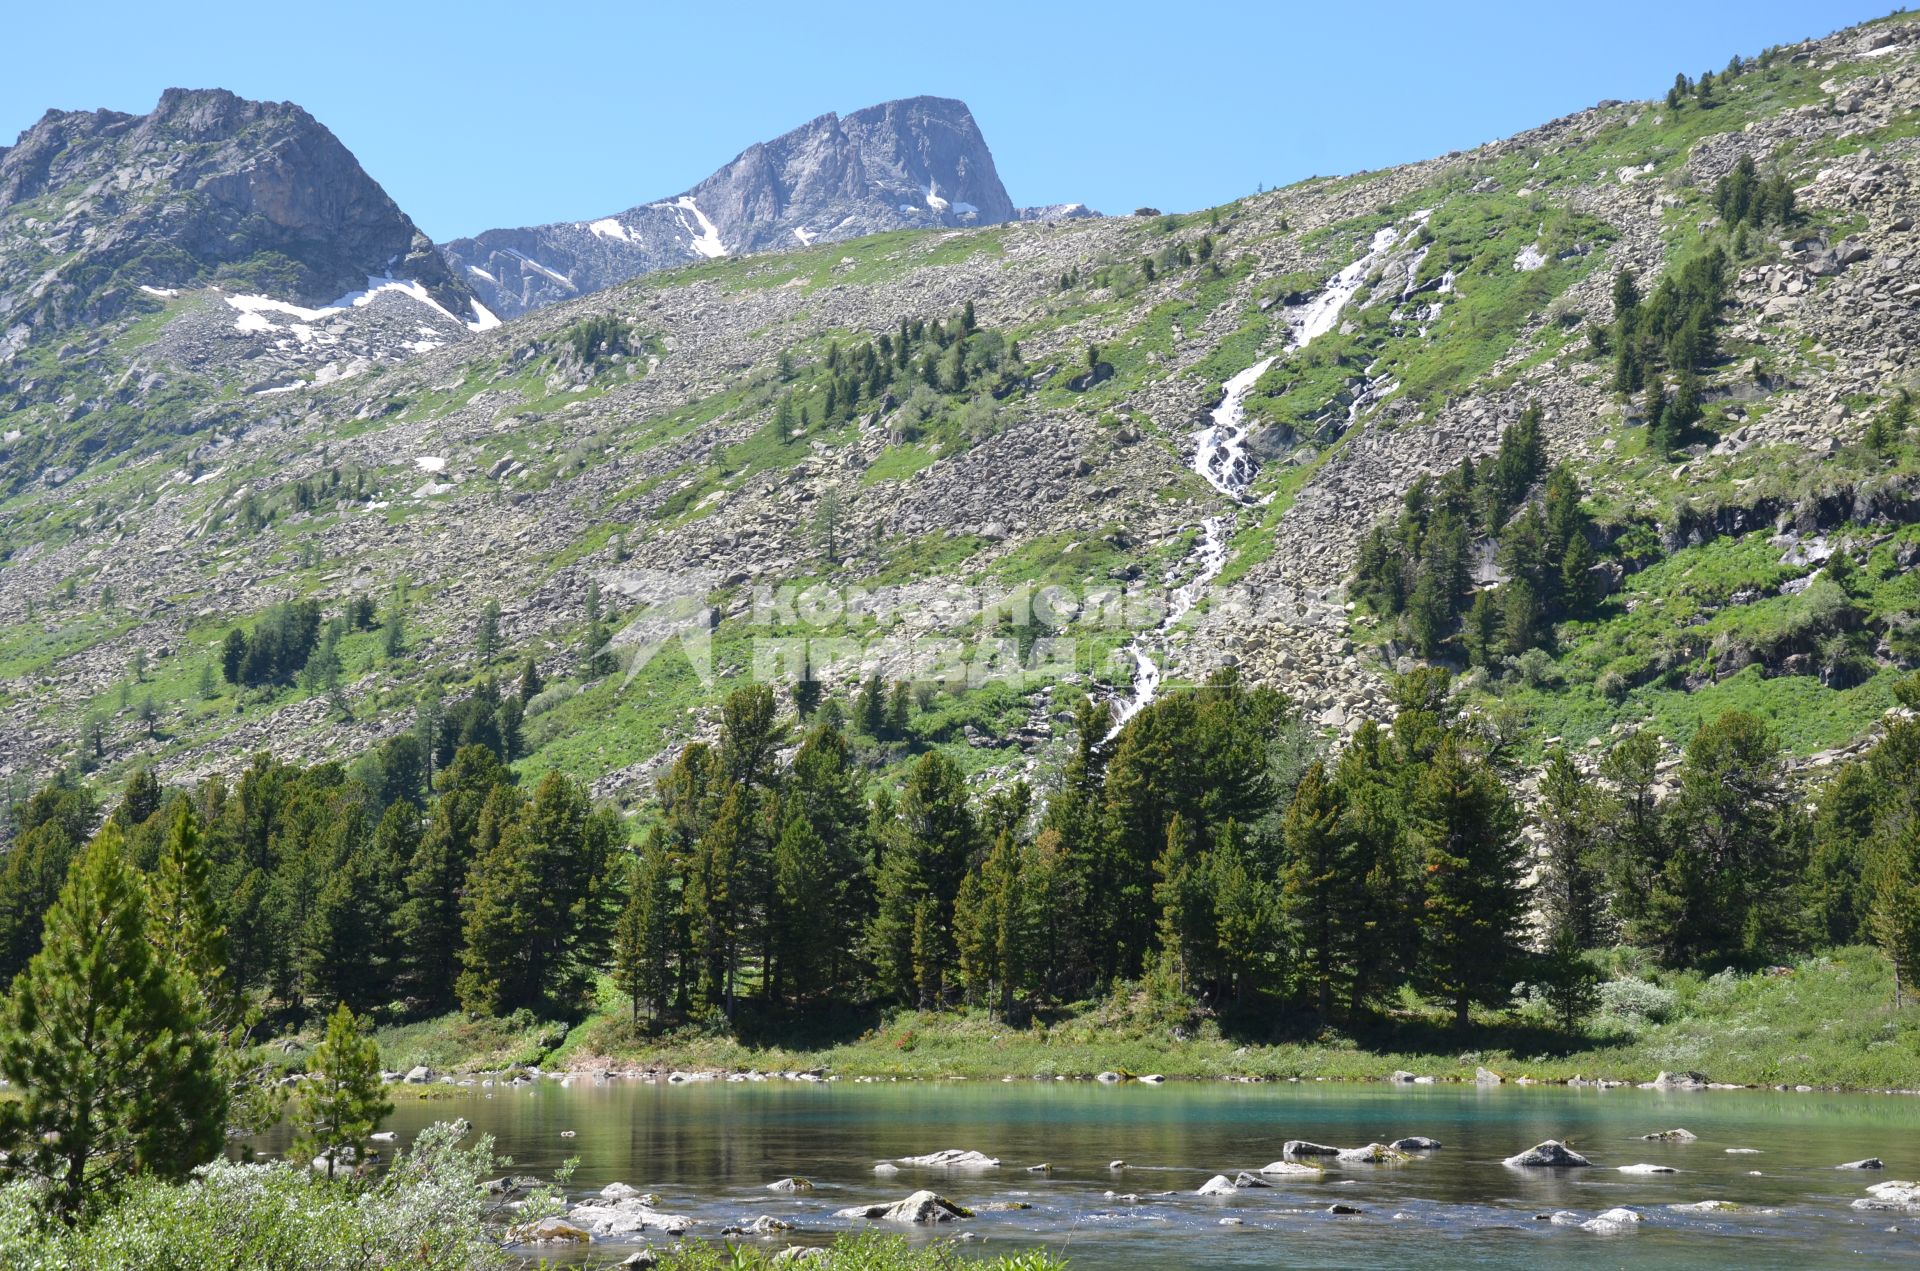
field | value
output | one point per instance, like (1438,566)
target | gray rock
(1551,1154)
(1671,1136)
(952,1158)
(1870,1162)
(1611,1221)
(1415,1143)
(921,1207)
(1303,1147)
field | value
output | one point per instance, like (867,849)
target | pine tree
(1571,898)
(486,641)
(803,896)
(115,1078)
(1465,828)
(340,1101)
(1319,880)
(644,936)
(1893,913)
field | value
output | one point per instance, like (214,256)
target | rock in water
(921,1207)
(952,1158)
(1218,1185)
(790,1185)
(1291,1167)
(1680,1081)
(1648,1169)
(1302,1147)
(1671,1136)
(1893,1194)
(1415,1143)
(1371,1154)
(1870,1162)
(1613,1220)
(627,1217)
(551,1231)
(1552,1154)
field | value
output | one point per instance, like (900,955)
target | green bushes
(427,1213)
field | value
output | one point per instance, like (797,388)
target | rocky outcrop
(907,164)
(209,186)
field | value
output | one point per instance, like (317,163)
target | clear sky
(480,114)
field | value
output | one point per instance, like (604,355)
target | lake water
(710,1149)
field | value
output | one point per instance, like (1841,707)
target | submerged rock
(1871,1162)
(1670,1136)
(921,1207)
(1644,1168)
(1344,1209)
(1705,1207)
(1552,1154)
(886,1169)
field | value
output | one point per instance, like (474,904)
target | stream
(1221,458)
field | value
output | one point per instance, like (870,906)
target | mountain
(900,165)
(1697,315)
(207,187)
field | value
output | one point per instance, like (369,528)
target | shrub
(1637,1002)
(427,1213)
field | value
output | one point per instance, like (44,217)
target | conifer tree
(644,936)
(1464,826)
(1319,881)
(340,1101)
(115,1076)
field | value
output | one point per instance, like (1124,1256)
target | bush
(1637,1002)
(427,1213)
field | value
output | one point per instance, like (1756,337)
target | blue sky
(481,114)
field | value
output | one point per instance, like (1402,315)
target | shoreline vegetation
(1826,1023)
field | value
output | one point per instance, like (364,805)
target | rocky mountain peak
(207,187)
(917,162)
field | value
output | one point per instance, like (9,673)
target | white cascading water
(1220,456)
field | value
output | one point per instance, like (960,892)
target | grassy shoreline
(1827,1023)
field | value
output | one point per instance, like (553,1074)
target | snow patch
(483,319)
(965,209)
(165,293)
(707,241)
(1529,258)
(934,200)
(480,273)
(610,228)
(430,463)
(806,236)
